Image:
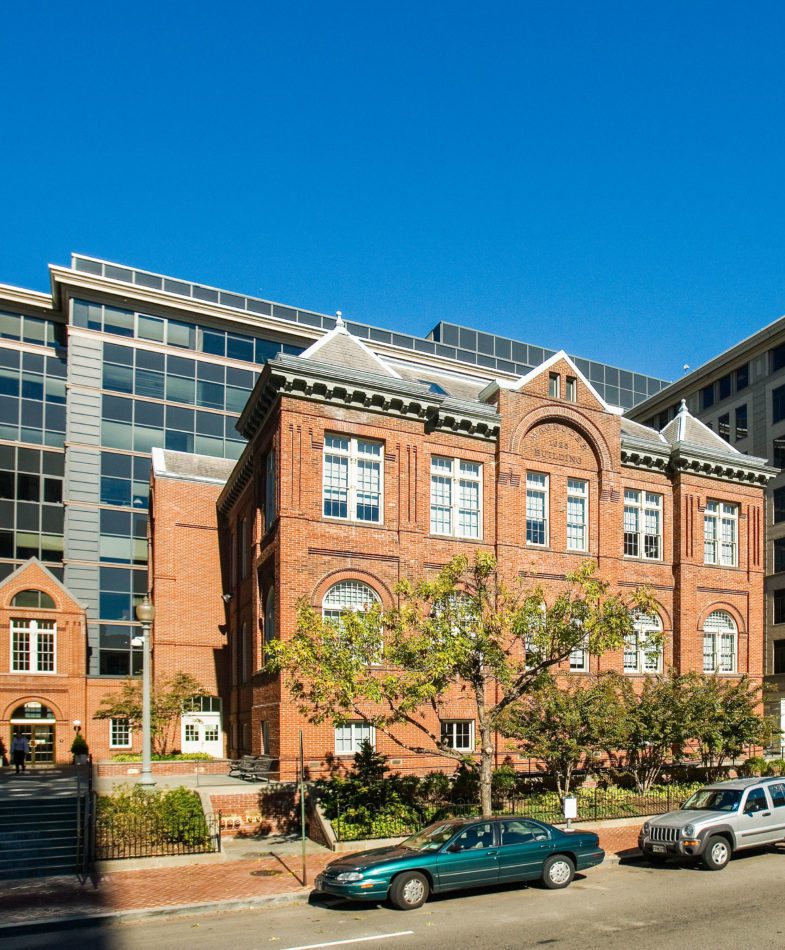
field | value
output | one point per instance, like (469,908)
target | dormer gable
(558,379)
(35,576)
(340,348)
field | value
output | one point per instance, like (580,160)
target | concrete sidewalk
(249,873)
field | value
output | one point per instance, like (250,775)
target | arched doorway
(37,722)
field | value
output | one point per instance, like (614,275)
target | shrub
(171,757)
(172,816)
(775,767)
(756,765)
(79,745)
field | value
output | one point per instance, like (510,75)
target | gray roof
(686,428)
(192,468)
(460,387)
(341,349)
(638,431)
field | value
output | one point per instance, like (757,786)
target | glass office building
(117,361)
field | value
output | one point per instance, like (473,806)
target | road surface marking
(342,943)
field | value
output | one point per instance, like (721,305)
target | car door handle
(492,852)
(767,814)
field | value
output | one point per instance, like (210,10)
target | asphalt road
(613,908)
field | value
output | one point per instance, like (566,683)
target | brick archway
(574,419)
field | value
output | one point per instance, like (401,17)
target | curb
(148,913)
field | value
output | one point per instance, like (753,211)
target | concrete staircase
(41,837)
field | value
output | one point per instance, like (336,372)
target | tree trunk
(486,768)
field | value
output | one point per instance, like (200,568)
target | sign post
(302,807)
(570,810)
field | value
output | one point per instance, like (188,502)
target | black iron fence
(593,804)
(144,836)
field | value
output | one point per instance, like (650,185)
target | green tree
(721,717)
(465,628)
(567,726)
(655,726)
(168,701)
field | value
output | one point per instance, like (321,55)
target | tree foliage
(467,628)
(167,703)
(567,727)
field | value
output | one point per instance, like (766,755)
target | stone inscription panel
(555,444)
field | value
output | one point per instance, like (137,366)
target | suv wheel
(716,853)
(409,891)
(557,872)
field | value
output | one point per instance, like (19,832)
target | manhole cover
(265,873)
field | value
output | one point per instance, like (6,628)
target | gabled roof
(34,562)
(523,381)
(340,348)
(191,468)
(684,427)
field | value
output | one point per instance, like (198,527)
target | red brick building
(361,471)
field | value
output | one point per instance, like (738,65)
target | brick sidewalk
(41,899)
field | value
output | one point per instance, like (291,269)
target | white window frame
(453,474)
(30,628)
(719,633)
(116,728)
(358,732)
(571,389)
(579,658)
(333,611)
(578,494)
(638,658)
(538,492)
(643,506)
(354,457)
(721,533)
(449,730)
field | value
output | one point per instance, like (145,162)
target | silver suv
(717,821)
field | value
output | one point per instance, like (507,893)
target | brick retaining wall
(178,767)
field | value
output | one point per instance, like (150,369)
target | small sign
(570,807)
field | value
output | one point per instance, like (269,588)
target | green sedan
(460,853)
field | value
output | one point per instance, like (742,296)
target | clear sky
(605,177)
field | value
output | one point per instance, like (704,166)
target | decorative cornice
(690,457)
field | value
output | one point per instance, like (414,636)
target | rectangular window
(778,497)
(777,358)
(579,659)
(742,377)
(720,533)
(778,404)
(191,732)
(577,514)
(244,540)
(553,385)
(350,736)
(640,656)
(719,652)
(707,396)
(456,497)
(265,731)
(458,734)
(352,479)
(723,426)
(742,429)
(779,606)
(571,389)
(119,734)
(779,555)
(779,657)
(33,646)
(536,508)
(724,386)
(642,524)
(778,452)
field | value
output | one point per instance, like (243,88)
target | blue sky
(605,177)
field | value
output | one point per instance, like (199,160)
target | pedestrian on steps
(20,748)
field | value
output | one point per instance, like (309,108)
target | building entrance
(35,722)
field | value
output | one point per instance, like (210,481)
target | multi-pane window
(350,595)
(724,385)
(779,555)
(456,497)
(32,397)
(125,480)
(120,590)
(579,658)
(553,385)
(778,451)
(742,377)
(17,326)
(536,508)
(350,736)
(33,646)
(352,479)
(720,533)
(779,606)
(707,396)
(577,514)
(269,621)
(269,490)
(779,657)
(642,650)
(777,357)
(31,509)
(723,426)
(191,732)
(120,650)
(742,428)
(119,734)
(571,389)
(719,643)
(458,734)
(778,497)
(642,524)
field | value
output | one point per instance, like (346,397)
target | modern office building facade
(115,361)
(740,394)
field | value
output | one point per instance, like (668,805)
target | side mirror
(452,848)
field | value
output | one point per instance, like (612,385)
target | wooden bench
(252,768)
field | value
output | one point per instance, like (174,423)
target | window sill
(455,537)
(355,524)
(645,560)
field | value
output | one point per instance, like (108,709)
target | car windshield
(431,838)
(714,799)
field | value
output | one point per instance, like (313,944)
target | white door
(201,732)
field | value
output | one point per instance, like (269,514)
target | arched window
(347,595)
(720,637)
(642,648)
(354,596)
(33,600)
(31,711)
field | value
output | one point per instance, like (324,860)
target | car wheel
(716,854)
(557,872)
(409,891)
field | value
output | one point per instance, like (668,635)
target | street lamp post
(145,614)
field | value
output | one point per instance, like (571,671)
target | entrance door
(41,737)
(201,732)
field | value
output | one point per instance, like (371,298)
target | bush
(79,745)
(171,757)
(756,765)
(172,816)
(775,767)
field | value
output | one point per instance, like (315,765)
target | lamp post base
(146,780)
